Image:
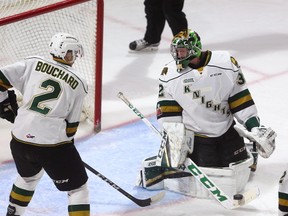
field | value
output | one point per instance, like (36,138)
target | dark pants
(219,151)
(62,163)
(157,12)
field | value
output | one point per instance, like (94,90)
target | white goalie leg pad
(146,179)
(231,180)
(188,186)
(176,144)
(242,172)
(79,195)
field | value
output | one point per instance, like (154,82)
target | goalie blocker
(161,171)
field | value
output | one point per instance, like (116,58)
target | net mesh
(12,7)
(31,36)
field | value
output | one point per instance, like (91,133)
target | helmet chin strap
(63,61)
(184,63)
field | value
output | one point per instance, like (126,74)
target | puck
(238,197)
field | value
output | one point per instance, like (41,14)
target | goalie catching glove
(9,107)
(263,137)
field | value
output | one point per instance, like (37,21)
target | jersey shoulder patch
(164,71)
(234,62)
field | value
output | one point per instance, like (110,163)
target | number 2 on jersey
(38,101)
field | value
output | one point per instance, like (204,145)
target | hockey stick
(228,203)
(139,202)
(137,112)
(162,149)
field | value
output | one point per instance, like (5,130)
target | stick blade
(156,198)
(248,196)
(149,201)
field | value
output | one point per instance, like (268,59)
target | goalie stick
(137,112)
(139,202)
(162,149)
(227,202)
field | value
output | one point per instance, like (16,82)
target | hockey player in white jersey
(45,125)
(202,94)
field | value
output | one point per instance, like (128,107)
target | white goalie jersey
(207,99)
(52,103)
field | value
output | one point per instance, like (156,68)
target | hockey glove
(263,136)
(9,107)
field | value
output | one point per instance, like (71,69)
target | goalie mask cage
(26,27)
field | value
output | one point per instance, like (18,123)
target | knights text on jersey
(206,99)
(53,96)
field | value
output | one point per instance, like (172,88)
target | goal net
(26,27)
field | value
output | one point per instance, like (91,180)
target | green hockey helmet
(190,41)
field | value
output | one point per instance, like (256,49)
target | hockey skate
(11,211)
(142,45)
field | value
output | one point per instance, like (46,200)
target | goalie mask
(185,46)
(63,43)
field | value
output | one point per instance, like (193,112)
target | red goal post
(26,28)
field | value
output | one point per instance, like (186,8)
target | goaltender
(202,94)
